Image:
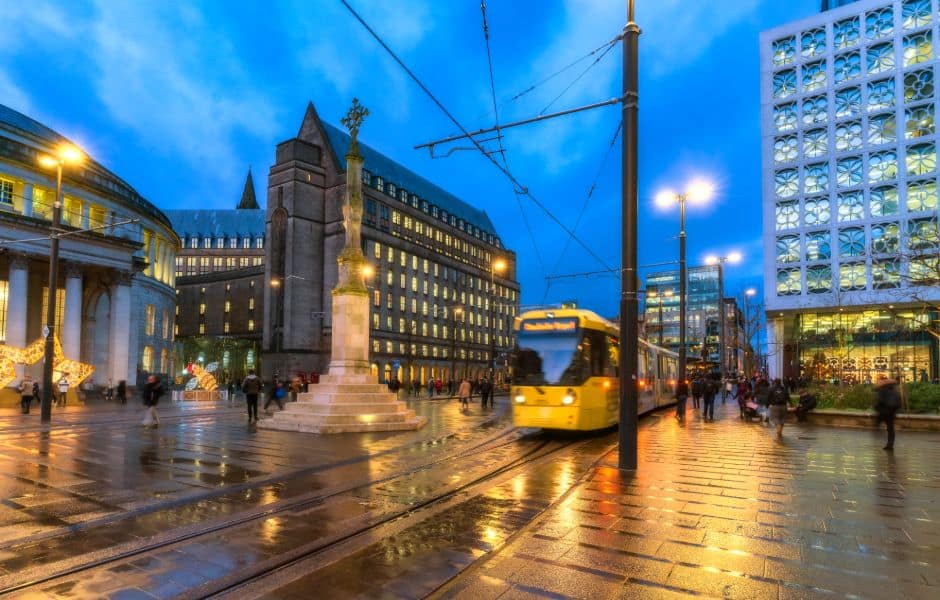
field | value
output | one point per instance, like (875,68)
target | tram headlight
(520,399)
(568,398)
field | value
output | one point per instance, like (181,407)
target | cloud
(14,96)
(165,73)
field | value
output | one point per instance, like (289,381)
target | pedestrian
(151,395)
(463,392)
(450,387)
(438,386)
(276,395)
(63,389)
(729,388)
(431,387)
(887,403)
(26,393)
(709,390)
(806,403)
(109,391)
(36,391)
(122,391)
(296,385)
(484,391)
(697,384)
(682,394)
(251,386)
(762,395)
(778,400)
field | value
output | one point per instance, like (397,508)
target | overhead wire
(578,78)
(518,185)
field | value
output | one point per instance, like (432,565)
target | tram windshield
(559,352)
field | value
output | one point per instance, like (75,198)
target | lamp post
(497,265)
(698,192)
(458,311)
(747,331)
(65,154)
(278,328)
(719,261)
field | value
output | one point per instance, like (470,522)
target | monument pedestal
(345,403)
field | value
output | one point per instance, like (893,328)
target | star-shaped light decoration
(10,356)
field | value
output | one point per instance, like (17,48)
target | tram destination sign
(560,325)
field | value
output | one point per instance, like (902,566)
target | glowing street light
(65,154)
(699,192)
(497,266)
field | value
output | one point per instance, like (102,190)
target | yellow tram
(566,371)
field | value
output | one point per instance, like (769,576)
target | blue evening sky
(180,98)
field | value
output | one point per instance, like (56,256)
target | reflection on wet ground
(722,510)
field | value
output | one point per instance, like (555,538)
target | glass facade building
(850,188)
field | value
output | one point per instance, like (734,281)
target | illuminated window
(146,361)
(847,66)
(788,249)
(202,328)
(817,246)
(918,121)
(816,178)
(251,324)
(377,250)
(922,195)
(225,327)
(921,159)
(166,324)
(784,83)
(228,306)
(848,102)
(852,277)
(885,274)
(59,308)
(375,321)
(150,317)
(815,143)
(882,166)
(788,282)
(813,42)
(814,76)
(884,201)
(915,13)
(881,94)
(851,205)
(918,48)
(885,238)
(819,279)
(918,85)
(202,308)
(852,241)
(881,58)
(4,293)
(784,51)
(879,23)
(882,129)
(815,110)
(849,171)
(786,183)
(376,298)
(164,367)
(845,33)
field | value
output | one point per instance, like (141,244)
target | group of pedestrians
(29,392)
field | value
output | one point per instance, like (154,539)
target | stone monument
(349,397)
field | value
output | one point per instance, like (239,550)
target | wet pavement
(721,509)
(97,506)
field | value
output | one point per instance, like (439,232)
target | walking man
(63,388)
(152,392)
(26,393)
(276,395)
(251,386)
(778,399)
(682,394)
(484,391)
(887,403)
(122,392)
(464,393)
(708,395)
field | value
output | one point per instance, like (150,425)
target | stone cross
(354,118)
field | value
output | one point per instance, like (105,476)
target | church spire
(248,195)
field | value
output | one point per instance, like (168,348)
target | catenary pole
(45,407)
(629,332)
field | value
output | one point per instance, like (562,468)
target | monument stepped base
(345,403)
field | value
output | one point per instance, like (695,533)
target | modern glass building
(849,101)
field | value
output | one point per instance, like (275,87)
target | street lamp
(64,154)
(747,330)
(458,312)
(719,261)
(497,265)
(698,192)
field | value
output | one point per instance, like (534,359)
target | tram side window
(594,354)
(613,357)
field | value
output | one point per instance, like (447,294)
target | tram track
(38,576)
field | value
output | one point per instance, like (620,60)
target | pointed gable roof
(314,131)
(248,194)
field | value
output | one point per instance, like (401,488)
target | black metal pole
(682,290)
(629,333)
(722,354)
(49,355)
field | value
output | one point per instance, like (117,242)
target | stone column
(72,318)
(85,210)
(775,348)
(120,329)
(28,199)
(17,301)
